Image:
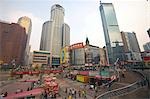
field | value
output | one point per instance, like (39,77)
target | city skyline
(83,24)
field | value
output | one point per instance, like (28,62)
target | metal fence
(124,90)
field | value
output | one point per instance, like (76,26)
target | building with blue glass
(113,39)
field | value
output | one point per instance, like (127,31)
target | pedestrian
(45,95)
(2,94)
(96,89)
(72,92)
(5,94)
(84,94)
(28,89)
(70,97)
(75,94)
(79,93)
(66,91)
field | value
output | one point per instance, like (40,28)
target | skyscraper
(146,46)
(65,35)
(12,43)
(114,44)
(26,23)
(57,16)
(131,46)
(55,33)
(46,36)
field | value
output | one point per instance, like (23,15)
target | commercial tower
(46,36)
(26,23)
(12,43)
(59,30)
(131,46)
(146,46)
(114,43)
(55,34)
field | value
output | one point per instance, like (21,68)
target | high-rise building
(114,43)
(46,36)
(26,23)
(131,46)
(147,46)
(65,35)
(55,34)
(57,16)
(12,43)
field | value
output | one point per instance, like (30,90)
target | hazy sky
(82,16)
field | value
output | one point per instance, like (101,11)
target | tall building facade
(147,46)
(26,23)
(65,35)
(46,36)
(114,43)
(131,46)
(55,34)
(12,43)
(57,16)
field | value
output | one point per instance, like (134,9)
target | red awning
(34,92)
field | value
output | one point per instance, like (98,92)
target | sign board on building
(77,45)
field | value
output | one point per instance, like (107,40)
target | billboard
(64,55)
(76,46)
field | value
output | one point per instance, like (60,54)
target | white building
(65,35)
(40,58)
(57,16)
(55,34)
(46,36)
(27,24)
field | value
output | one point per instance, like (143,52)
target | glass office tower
(112,34)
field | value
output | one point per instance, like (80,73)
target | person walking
(75,94)
(79,93)
(70,97)
(66,90)
(72,92)
(84,94)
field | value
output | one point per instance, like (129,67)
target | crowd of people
(73,93)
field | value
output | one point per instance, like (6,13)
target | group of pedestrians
(50,95)
(4,94)
(76,94)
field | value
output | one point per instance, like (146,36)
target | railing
(122,91)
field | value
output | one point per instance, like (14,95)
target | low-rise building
(41,58)
(84,55)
